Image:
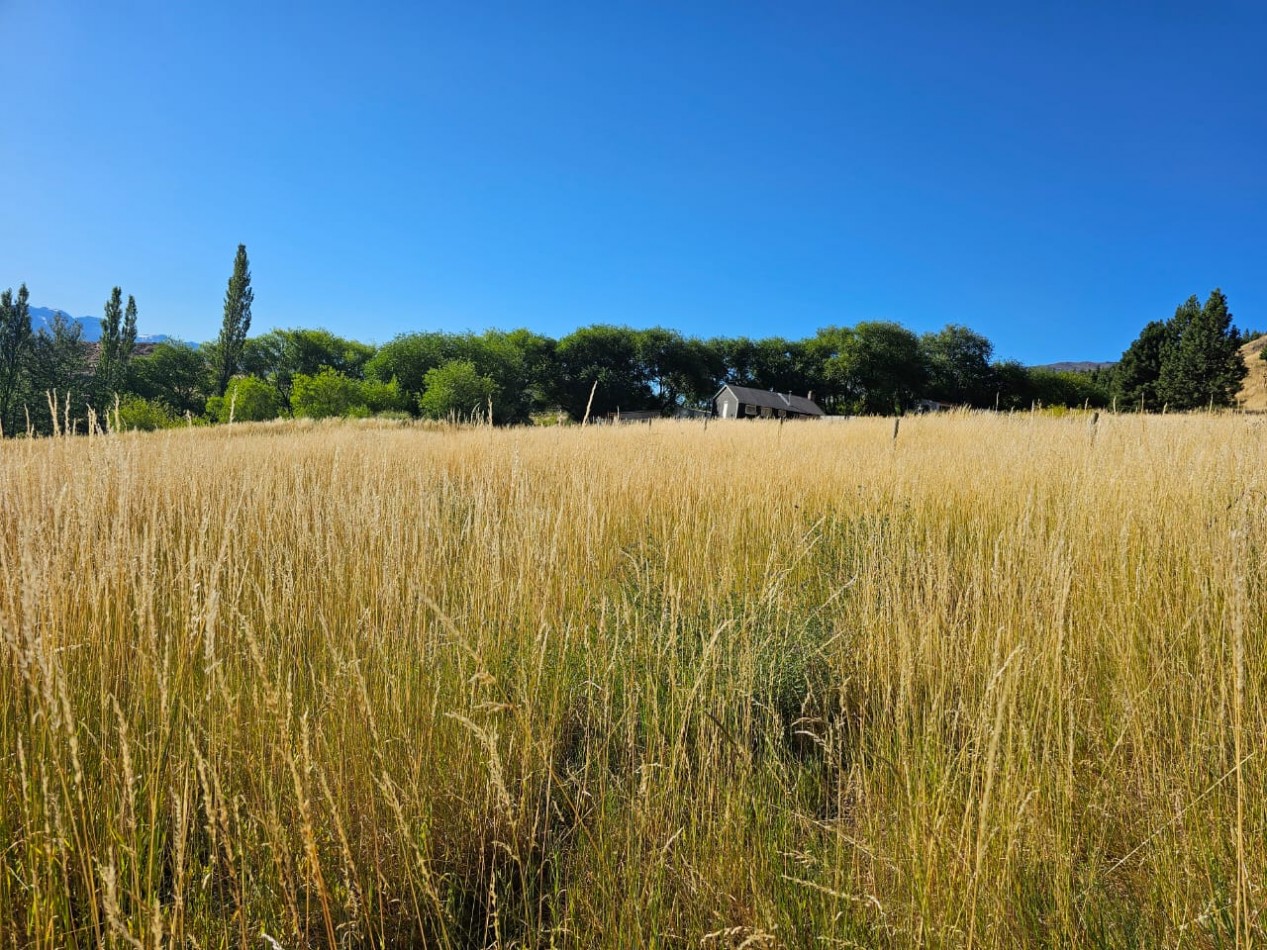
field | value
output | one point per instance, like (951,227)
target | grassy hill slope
(1253,394)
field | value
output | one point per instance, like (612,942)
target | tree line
(514,377)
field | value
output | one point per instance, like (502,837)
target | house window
(749,410)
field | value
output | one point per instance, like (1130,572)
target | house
(932,405)
(743,402)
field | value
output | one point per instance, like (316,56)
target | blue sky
(1053,175)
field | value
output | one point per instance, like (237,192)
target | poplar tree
(237,321)
(118,339)
(108,347)
(127,338)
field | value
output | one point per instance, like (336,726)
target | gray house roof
(771,400)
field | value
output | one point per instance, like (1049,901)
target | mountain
(1073,366)
(42,319)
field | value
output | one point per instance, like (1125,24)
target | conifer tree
(1190,361)
(1139,371)
(237,321)
(15,341)
(1203,366)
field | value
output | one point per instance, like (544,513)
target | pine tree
(1139,371)
(1203,365)
(1214,347)
(1190,361)
(15,341)
(1174,384)
(237,321)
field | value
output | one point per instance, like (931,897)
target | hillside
(1253,394)
(1073,366)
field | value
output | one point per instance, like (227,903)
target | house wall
(726,405)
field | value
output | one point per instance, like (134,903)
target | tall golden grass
(998,682)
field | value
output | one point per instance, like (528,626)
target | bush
(456,390)
(248,399)
(383,397)
(326,394)
(330,393)
(135,414)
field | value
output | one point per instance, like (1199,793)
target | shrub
(247,399)
(326,394)
(383,397)
(145,415)
(456,390)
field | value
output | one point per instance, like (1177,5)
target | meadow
(998,682)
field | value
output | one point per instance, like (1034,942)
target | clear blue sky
(1053,175)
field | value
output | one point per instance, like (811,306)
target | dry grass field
(999,683)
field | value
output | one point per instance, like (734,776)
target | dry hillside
(1253,394)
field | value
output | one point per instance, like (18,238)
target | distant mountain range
(1074,366)
(42,319)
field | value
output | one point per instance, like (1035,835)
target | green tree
(1013,385)
(521,364)
(237,321)
(538,379)
(383,397)
(247,399)
(604,360)
(136,414)
(15,343)
(879,366)
(783,365)
(958,362)
(174,373)
(457,390)
(1203,366)
(1190,361)
(279,355)
(1174,382)
(677,367)
(408,358)
(1067,388)
(1139,371)
(114,352)
(326,394)
(787,366)
(58,364)
(513,362)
